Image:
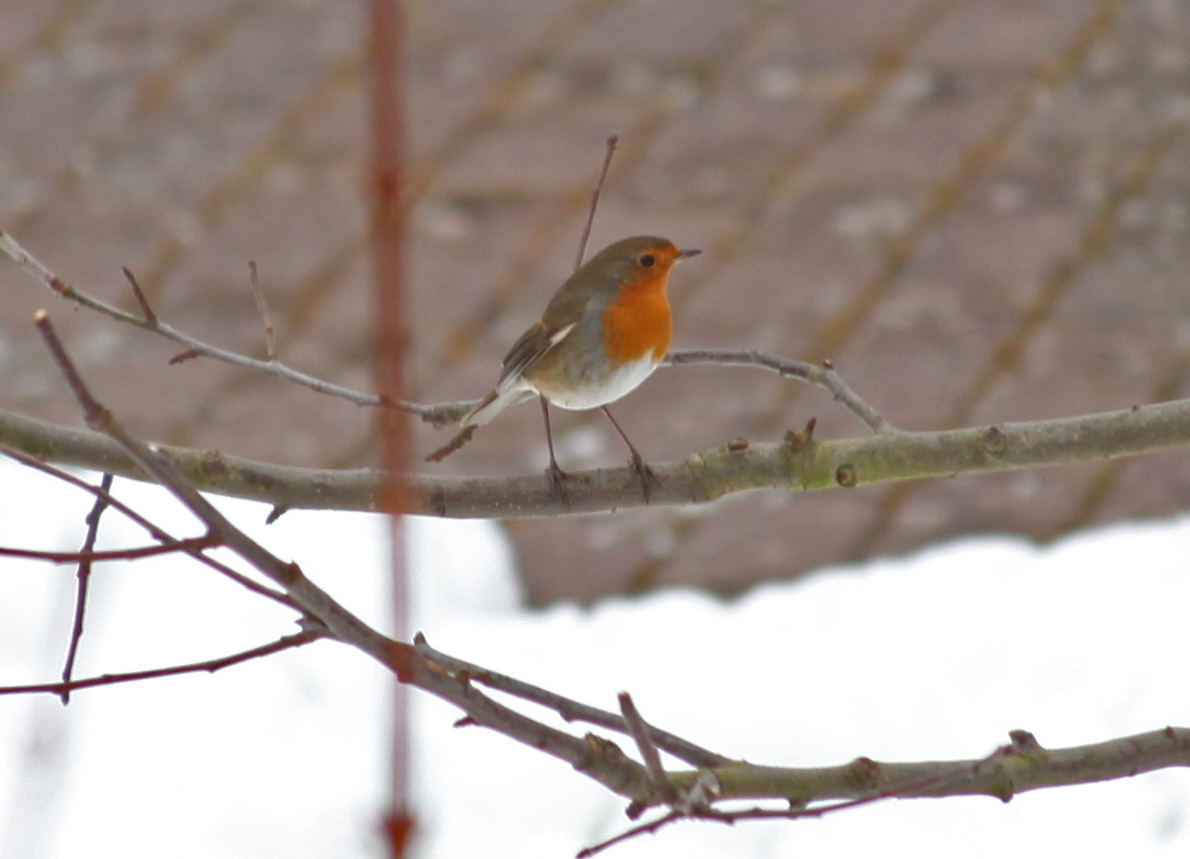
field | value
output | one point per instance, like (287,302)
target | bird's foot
(558,478)
(644,474)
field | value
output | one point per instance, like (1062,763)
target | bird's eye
(646,260)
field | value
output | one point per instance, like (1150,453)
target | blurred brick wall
(977,208)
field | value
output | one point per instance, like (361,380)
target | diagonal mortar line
(887,63)
(237,184)
(781,182)
(564,29)
(946,196)
(53,31)
(1062,278)
(151,96)
(160,87)
(185,429)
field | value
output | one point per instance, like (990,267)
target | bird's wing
(527,351)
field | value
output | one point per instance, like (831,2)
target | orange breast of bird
(639,321)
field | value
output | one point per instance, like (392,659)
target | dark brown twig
(211,665)
(141,299)
(84,579)
(87,556)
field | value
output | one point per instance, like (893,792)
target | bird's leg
(558,477)
(638,465)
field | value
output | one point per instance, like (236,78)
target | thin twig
(262,305)
(141,299)
(585,237)
(822,375)
(87,556)
(648,751)
(84,579)
(568,709)
(196,347)
(211,665)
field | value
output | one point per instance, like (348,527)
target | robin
(603,333)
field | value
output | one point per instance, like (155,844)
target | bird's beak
(686,254)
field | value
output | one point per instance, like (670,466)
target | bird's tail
(490,406)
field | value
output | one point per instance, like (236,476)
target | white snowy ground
(932,656)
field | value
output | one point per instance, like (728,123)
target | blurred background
(978,209)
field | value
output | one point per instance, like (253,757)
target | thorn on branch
(1023,742)
(188,355)
(799,441)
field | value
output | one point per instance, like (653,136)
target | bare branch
(598,758)
(196,347)
(1015,769)
(568,709)
(801,464)
(64,688)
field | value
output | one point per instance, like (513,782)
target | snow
(932,656)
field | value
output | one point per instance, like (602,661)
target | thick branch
(799,464)
(1016,770)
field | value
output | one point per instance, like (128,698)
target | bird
(606,329)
